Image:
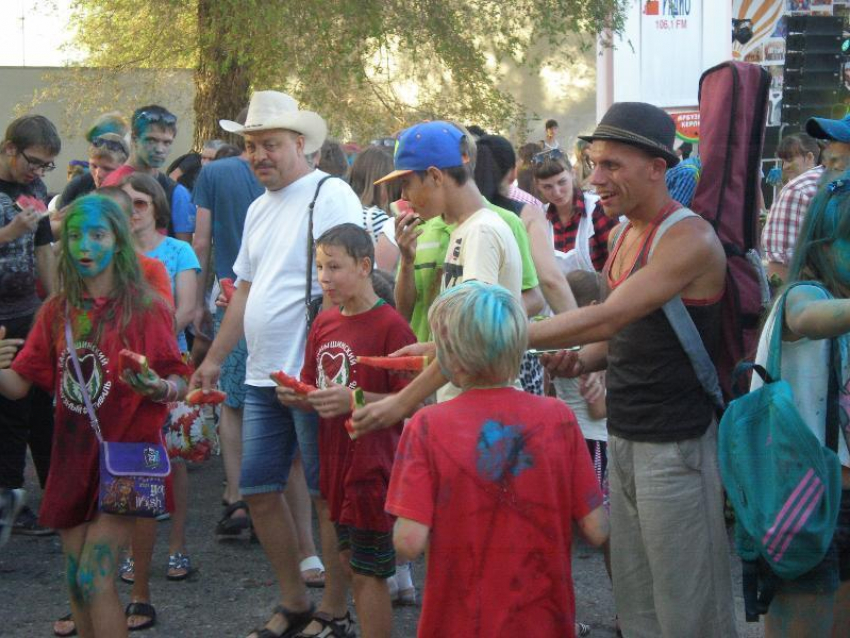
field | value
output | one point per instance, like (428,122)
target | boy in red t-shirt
(491,482)
(354,474)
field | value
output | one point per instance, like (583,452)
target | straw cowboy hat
(270,110)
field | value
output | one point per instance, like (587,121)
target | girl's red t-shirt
(70,496)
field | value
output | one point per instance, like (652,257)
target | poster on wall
(668,26)
(758,36)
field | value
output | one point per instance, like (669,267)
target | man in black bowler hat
(669,550)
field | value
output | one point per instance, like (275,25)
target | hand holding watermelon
(199,397)
(290,391)
(30,211)
(136,373)
(227,289)
(407,361)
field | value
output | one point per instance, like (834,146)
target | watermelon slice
(283,379)
(26,201)
(359,402)
(415,363)
(129,360)
(199,397)
(227,288)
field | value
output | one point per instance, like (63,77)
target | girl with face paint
(818,602)
(108,306)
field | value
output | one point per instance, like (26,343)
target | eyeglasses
(552,154)
(156,117)
(110,145)
(141,205)
(37,164)
(389,142)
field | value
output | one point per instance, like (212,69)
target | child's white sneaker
(402,591)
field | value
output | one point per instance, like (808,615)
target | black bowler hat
(638,124)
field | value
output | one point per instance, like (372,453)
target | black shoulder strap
(832,407)
(308,286)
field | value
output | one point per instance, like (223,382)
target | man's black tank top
(653,392)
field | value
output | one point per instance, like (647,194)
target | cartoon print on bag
(120,495)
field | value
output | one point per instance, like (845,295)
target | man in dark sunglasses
(27,153)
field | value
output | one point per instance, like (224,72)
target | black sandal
(331,627)
(145,610)
(231,527)
(295,622)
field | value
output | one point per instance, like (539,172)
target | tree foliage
(369,67)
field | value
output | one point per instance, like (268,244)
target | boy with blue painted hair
(491,482)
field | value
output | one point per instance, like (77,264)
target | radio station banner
(671,45)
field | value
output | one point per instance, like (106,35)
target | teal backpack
(784,486)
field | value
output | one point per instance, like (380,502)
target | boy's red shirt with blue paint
(498,476)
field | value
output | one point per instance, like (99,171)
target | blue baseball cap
(826,129)
(425,145)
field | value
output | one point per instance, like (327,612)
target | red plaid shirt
(786,216)
(565,234)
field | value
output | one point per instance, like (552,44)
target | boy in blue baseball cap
(431,161)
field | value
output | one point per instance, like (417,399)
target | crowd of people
(527,383)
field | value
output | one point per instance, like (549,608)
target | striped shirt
(786,216)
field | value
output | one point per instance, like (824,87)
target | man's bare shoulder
(693,244)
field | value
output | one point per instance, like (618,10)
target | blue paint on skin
(501,451)
(153,144)
(91,242)
(71,570)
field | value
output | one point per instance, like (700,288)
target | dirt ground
(232,589)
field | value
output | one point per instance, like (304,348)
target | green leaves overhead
(368,66)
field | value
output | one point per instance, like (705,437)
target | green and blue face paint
(91,242)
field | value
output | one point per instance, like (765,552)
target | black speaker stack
(813,83)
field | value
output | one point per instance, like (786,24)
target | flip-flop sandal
(68,618)
(145,610)
(127,570)
(178,562)
(295,621)
(310,564)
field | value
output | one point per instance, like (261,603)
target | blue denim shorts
(232,378)
(272,434)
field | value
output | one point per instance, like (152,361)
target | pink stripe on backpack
(802,521)
(787,506)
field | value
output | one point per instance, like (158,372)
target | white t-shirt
(273,257)
(482,248)
(805,366)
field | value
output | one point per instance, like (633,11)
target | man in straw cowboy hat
(668,541)
(268,308)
